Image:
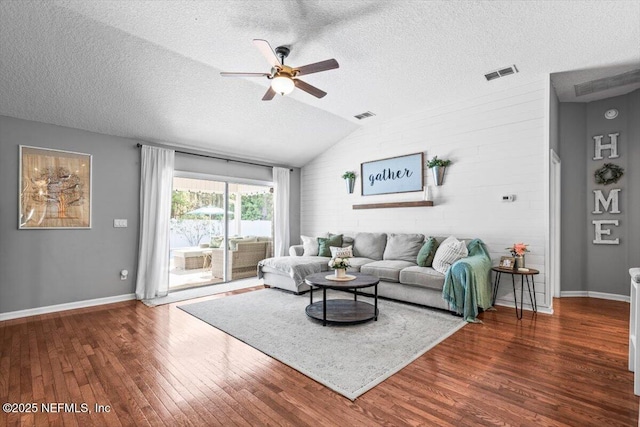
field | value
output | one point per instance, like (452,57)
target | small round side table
(523,275)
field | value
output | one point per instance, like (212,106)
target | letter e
(604,232)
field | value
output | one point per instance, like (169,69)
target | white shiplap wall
(497,144)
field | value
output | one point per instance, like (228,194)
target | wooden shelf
(394,205)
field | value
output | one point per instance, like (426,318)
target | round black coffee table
(342,311)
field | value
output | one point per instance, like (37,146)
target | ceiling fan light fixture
(282,84)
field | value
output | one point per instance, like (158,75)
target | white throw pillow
(449,251)
(310,246)
(341,252)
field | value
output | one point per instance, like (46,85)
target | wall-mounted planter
(351,184)
(438,174)
(438,168)
(350,179)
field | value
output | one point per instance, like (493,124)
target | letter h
(599,146)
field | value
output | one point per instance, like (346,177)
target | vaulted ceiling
(151,69)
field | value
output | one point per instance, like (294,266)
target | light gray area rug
(203,291)
(349,359)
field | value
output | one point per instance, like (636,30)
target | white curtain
(156,177)
(281,214)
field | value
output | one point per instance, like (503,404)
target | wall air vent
(364,115)
(502,72)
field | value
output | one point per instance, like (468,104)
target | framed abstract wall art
(54,189)
(394,175)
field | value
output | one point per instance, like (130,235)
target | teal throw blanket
(467,284)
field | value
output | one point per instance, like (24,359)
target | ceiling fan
(283,77)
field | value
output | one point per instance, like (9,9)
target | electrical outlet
(120,223)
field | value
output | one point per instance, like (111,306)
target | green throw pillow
(216,242)
(427,252)
(324,244)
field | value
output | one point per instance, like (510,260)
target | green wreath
(608,174)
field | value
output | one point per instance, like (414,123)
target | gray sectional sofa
(390,257)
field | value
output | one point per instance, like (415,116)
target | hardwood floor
(161,366)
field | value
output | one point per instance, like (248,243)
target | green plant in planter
(438,167)
(349,175)
(350,180)
(438,162)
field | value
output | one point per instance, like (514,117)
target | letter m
(611,201)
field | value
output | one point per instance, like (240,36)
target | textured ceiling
(150,69)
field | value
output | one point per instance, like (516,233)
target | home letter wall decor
(610,202)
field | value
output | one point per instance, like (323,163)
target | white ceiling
(150,69)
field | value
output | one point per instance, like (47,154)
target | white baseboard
(67,306)
(525,307)
(592,294)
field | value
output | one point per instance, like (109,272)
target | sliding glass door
(219,230)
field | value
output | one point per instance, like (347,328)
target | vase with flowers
(517,251)
(339,266)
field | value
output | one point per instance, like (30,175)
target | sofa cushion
(233,243)
(449,252)
(370,245)
(386,270)
(357,262)
(425,277)
(403,247)
(216,241)
(325,243)
(347,241)
(427,252)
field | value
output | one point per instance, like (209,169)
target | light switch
(120,223)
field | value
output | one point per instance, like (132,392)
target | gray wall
(587,266)
(573,149)
(39,268)
(45,267)
(295,208)
(554,118)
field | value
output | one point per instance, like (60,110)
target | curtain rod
(221,158)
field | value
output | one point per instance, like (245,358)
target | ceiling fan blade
(265,48)
(230,74)
(309,89)
(329,64)
(269,95)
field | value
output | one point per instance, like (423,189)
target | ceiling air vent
(492,75)
(364,115)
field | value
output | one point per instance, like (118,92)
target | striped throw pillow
(449,251)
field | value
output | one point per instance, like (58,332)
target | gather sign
(608,174)
(394,175)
